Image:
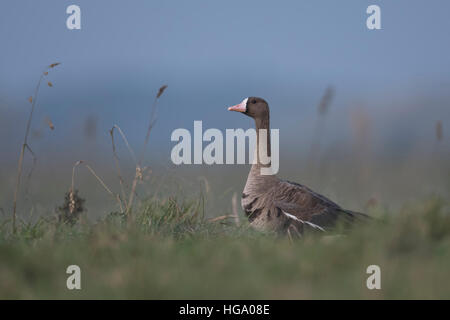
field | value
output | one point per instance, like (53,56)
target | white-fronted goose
(274,204)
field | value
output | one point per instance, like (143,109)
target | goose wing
(305,206)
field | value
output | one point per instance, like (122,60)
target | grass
(164,248)
(170,250)
(138,172)
(25,145)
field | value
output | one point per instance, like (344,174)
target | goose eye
(253,101)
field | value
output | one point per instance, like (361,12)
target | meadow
(171,251)
(168,232)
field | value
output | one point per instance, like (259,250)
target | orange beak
(241,107)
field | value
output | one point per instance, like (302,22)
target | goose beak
(241,107)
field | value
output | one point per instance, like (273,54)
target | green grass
(171,251)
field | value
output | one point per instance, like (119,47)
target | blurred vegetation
(171,250)
(179,248)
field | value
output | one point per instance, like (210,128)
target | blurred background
(363,114)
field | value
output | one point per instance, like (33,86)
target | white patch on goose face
(315,226)
(244,104)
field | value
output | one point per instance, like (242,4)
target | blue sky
(213,54)
(248,39)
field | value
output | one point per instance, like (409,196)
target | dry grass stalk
(117,164)
(138,173)
(49,123)
(116,196)
(71,201)
(133,190)
(439,133)
(72,208)
(220,218)
(205,181)
(326,100)
(161,90)
(234,207)
(116,160)
(25,146)
(125,140)
(30,174)
(322,108)
(153,116)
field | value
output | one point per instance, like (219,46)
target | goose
(280,205)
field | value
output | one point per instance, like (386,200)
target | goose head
(254,107)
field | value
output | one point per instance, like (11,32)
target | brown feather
(284,206)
